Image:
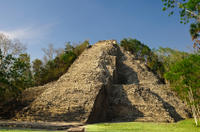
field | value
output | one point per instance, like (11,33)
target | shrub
(15,76)
(55,68)
(144,53)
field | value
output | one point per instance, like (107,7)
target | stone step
(85,93)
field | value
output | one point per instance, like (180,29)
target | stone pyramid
(106,83)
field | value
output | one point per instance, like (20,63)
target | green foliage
(136,47)
(184,78)
(189,11)
(55,68)
(68,47)
(80,48)
(28,78)
(144,53)
(37,67)
(185,74)
(194,32)
(169,56)
(155,65)
(182,72)
(9,46)
(15,75)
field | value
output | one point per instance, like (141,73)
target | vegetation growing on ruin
(144,53)
(179,69)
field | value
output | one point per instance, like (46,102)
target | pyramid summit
(105,83)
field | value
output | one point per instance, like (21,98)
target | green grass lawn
(182,126)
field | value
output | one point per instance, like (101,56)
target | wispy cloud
(29,33)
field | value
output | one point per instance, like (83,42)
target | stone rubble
(106,83)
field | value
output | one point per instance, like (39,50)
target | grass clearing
(182,126)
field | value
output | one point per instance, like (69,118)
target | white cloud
(29,33)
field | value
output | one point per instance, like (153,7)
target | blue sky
(40,22)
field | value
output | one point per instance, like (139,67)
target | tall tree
(8,46)
(13,76)
(28,78)
(68,47)
(49,53)
(184,79)
(169,56)
(37,66)
(189,11)
(15,73)
(53,69)
(185,74)
(144,53)
(81,47)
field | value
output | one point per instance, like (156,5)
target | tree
(49,53)
(59,51)
(189,11)
(169,56)
(68,47)
(184,79)
(81,47)
(143,53)
(194,32)
(137,48)
(13,76)
(15,73)
(53,69)
(28,78)
(8,46)
(37,67)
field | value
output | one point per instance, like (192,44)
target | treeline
(179,69)
(54,68)
(18,73)
(15,75)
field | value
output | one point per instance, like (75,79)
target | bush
(144,53)
(15,75)
(184,77)
(185,74)
(58,66)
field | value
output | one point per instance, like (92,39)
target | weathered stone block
(106,83)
